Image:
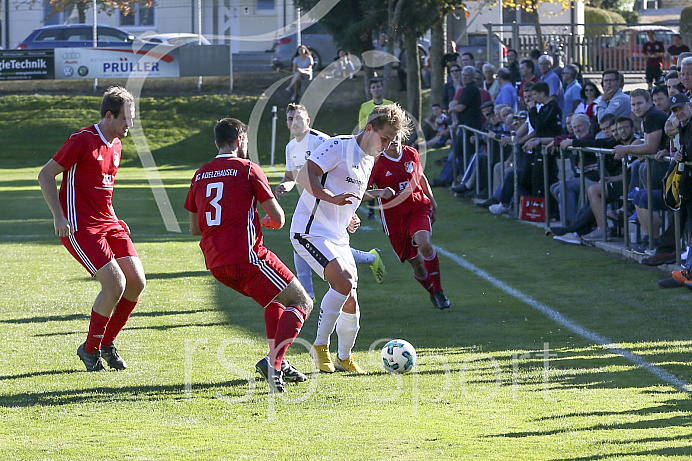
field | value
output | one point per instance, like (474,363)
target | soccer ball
(398,356)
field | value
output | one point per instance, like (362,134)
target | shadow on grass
(71,317)
(39,373)
(149,327)
(109,394)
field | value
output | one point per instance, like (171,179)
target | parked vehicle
(478,47)
(318,40)
(75,36)
(624,50)
(173,39)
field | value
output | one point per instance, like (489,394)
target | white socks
(363,257)
(330,308)
(347,329)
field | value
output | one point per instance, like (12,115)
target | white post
(199,38)
(230,60)
(298,28)
(95,38)
(273,135)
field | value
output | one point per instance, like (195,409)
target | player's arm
(372,194)
(275,214)
(286,184)
(194,225)
(49,188)
(309,177)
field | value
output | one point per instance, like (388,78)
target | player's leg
(420,273)
(304,274)
(347,328)
(373,258)
(432,265)
(135,281)
(298,307)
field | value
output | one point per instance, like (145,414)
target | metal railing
(493,143)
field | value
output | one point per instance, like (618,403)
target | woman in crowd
(589,93)
(302,70)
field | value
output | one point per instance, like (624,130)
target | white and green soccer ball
(398,356)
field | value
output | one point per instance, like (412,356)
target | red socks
(287,331)
(432,264)
(427,282)
(118,320)
(272,314)
(97,327)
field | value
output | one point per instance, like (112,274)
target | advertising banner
(78,63)
(26,65)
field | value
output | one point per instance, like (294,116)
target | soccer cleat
(349,365)
(92,361)
(291,374)
(274,378)
(683,276)
(440,300)
(112,358)
(377,267)
(320,355)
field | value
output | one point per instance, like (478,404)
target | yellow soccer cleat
(321,358)
(377,267)
(349,365)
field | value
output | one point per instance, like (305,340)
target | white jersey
(298,152)
(346,168)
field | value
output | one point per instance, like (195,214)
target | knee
(135,285)
(425,248)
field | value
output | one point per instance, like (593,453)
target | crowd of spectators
(534,110)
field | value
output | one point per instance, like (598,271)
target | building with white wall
(249,25)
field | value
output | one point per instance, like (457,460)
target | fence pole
(649,198)
(563,190)
(489,146)
(546,186)
(273,134)
(625,204)
(604,192)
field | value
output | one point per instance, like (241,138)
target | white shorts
(318,252)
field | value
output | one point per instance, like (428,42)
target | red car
(624,50)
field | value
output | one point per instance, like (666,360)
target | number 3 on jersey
(214,218)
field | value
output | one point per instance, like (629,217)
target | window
(265,5)
(49,35)
(141,17)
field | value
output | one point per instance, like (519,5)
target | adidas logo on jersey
(100,158)
(389,173)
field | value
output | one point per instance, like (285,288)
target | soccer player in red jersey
(222,202)
(86,223)
(408,211)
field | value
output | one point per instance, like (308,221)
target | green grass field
(500,375)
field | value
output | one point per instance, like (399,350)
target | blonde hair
(390,115)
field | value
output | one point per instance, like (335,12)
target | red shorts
(261,281)
(95,250)
(402,228)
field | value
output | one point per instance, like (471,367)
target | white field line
(567,323)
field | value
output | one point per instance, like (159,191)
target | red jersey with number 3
(402,174)
(86,191)
(224,193)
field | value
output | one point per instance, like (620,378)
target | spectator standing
(527,69)
(549,76)
(676,48)
(572,90)
(655,52)
(490,83)
(589,93)
(452,86)
(613,100)
(467,109)
(513,67)
(534,56)
(508,93)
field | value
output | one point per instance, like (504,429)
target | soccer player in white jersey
(305,141)
(335,178)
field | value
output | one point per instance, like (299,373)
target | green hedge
(686,20)
(599,16)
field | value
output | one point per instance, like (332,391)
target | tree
(82,6)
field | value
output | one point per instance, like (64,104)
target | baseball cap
(678,100)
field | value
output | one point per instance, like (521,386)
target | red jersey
(86,191)
(402,174)
(224,193)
